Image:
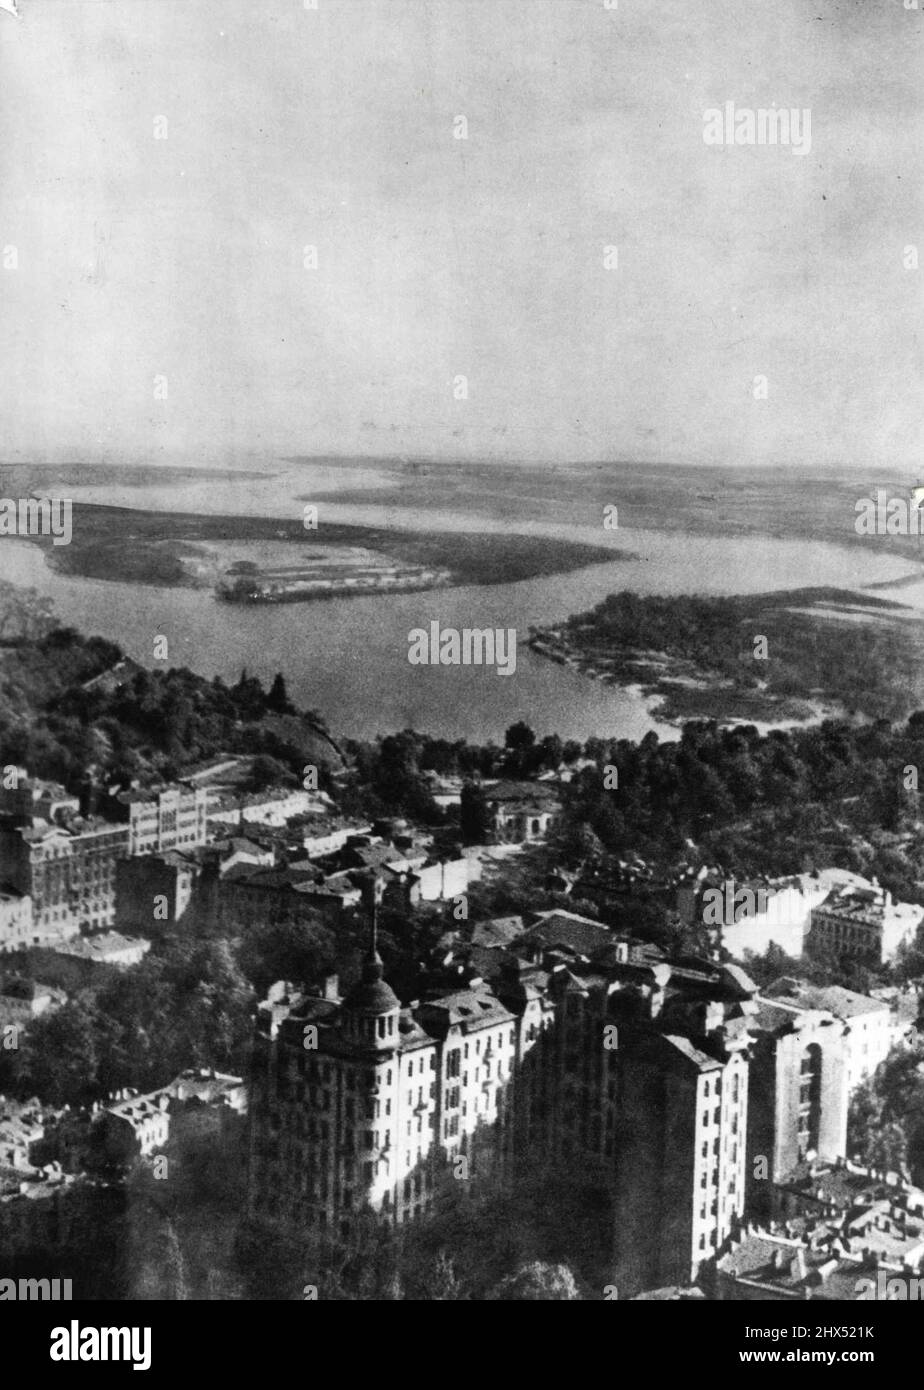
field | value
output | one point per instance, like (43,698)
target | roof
(101,946)
(469,1008)
(203,1085)
(579,934)
(372,995)
(691,1054)
(497,931)
(843,1003)
(520,791)
(778,1015)
(17,988)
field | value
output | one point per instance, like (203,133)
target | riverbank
(792,656)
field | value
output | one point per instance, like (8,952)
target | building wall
(333,1133)
(794,1110)
(16,926)
(784,923)
(175,818)
(445,880)
(69,877)
(141,883)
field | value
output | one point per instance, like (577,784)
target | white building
(864,924)
(164,818)
(16,931)
(362,1117)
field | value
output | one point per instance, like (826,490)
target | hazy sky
(184,257)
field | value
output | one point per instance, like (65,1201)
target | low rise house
(440,881)
(869,1247)
(106,948)
(521,812)
(133,1126)
(274,807)
(23,1001)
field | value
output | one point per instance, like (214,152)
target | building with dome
(359,1103)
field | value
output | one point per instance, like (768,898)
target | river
(347,658)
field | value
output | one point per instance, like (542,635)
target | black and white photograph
(462,663)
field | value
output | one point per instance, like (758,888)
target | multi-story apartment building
(68,871)
(625,1068)
(863,924)
(163,818)
(799,1092)
(357,1102)
(870,1028)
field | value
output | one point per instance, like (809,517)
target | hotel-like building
(358,1101)
(601,1059)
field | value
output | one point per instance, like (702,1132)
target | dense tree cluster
(830,795)
(188,1007)
(157,722)
(870,668)
(886,1122)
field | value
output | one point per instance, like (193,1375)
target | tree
(299,951)
(268,772)
(474,816)
(278,699)
(537,1282)
(25,616)
(444,1284)
(580,846)
(519,737)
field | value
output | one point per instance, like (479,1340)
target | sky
(160,308)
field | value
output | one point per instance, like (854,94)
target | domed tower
(371,1008)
